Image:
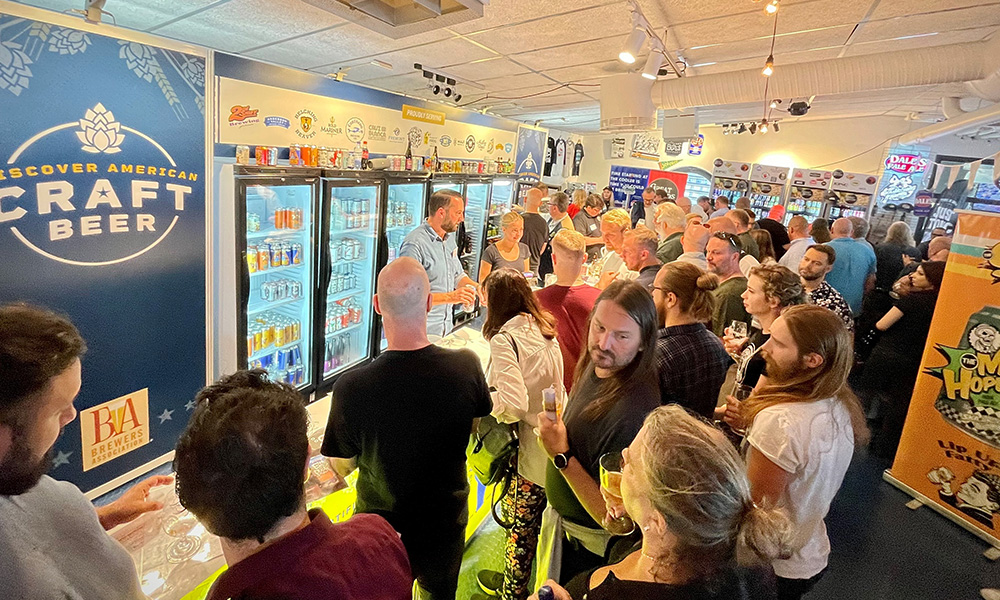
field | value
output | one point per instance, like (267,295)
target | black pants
(435,553)
(793,589)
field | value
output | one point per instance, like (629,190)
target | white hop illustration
(138,58)
(194,71)
(14,71)
(100,132)
(68,41)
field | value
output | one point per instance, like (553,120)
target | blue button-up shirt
(439,256)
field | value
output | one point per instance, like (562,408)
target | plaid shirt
(827,297)
(692,364)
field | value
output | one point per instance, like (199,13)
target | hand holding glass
(611,484)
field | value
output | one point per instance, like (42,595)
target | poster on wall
(627,183)
(905,170)
(646,145)
(530,152)
(673,183)
(102,218)
(950,450)
(257,114)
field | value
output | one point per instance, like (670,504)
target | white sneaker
(990,593)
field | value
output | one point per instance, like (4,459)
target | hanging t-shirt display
(577,158)
(560,158)
(568,165)
(550,156)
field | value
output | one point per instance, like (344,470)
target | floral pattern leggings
(524,503)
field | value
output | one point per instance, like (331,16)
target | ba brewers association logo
(114,428)
(120,201)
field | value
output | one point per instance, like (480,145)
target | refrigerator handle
(244,279)
(325,268)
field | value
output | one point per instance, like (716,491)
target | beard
(810,276)
(780,373)
(20,470)
(605,359)
(449,226)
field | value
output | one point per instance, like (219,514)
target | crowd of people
(703,352)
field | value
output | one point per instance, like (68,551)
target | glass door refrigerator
(351,214)
(406,205)
(477,205)
(276,232)
(501,202)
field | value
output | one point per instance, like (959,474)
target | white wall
(856,145)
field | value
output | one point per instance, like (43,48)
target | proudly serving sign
(102,217)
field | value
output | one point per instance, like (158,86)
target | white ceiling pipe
(952,107)
(905,68)
(970,120)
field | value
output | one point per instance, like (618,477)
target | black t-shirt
(577,158)
(590,438)
(733,584)
(550,156)
(536,234)
(888,264)
(779,236)
(908,335)
(752,360)
(407,417)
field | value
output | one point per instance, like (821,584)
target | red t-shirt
(571,307)
(359,559)
(572,210)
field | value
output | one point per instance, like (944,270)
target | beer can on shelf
(279,336)
(324,156)
(295,155)
(260,156)
(263,257)
(243,155)
(279,218)
(272,156)
(252,259)
(296,289)
(267,292)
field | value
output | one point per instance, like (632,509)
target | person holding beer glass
(526,368)
(770,290)
(686,489)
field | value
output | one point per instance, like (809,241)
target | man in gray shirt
(433,246)
(53,543)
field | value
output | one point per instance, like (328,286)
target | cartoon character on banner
(897,190)
(991,262)
(978,496)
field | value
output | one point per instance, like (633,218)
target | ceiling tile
(143,15)
(368,71)
(558,30)
(913,7)
(952,37)
(560,98)
(489,68)
(585,73)
(889,29)
(241,24)
(339,47)
(516,82)
(823,38)
(507,12)
(757,62)
(572,54)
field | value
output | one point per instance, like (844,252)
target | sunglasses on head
(732,239)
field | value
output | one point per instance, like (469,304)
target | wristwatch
(561,460)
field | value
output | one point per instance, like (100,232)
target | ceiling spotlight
(743,128)
(632,46)
(776,129)
(435,88)
(448,92)
(458,98)
(772,7)
(775,103)
(768,66)
(763,126)
(653,63)
(753,128)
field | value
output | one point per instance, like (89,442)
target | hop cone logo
(99,131)
(68,41)
(194,71)
(14,71)
(138,58)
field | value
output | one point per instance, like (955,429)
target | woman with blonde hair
(525,359)
(508,251)
(802,426)
(579,199)
(686,489)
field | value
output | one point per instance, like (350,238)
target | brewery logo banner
(950,450)
(102,218)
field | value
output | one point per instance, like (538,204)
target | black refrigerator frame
(245,176)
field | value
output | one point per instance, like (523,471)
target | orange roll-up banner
(949,455)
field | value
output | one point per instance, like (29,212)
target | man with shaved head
(854,272)
(404,419)
(799,242)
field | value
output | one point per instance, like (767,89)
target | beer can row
(273,254)
(352,214)
(341,315)
(253,222)
(272,329)
(264,156)
(282,289)
(418,164)
(319,156)
(346,249)
(286,217)
(284,365)
(342,281)
(398,219)
(337,352)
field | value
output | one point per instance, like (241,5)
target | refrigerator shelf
(276,233)
(344,367)
(401,227)
(273,270)
(272,349)
(348,329)
(276,304)
(343,294)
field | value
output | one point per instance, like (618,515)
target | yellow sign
(114,428)
(425,115)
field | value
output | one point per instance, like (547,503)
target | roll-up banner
(102,218)
(949,455)
(530,152)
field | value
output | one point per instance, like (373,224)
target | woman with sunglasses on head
(686,488)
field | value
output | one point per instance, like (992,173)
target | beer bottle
(434,160)
(409,157)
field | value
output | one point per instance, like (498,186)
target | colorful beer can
(295,155)
(243,155)
(252,259)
